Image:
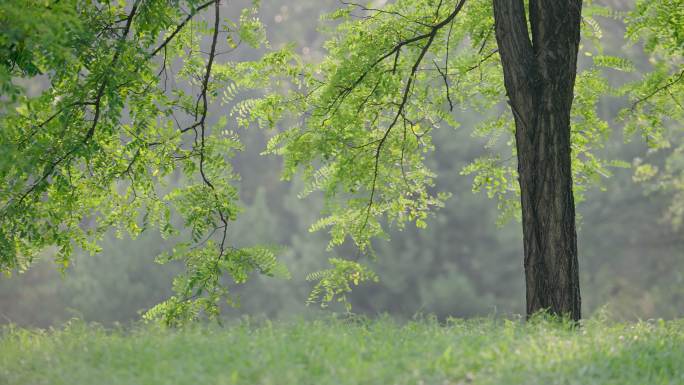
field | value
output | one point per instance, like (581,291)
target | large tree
(539,76)
(394,74)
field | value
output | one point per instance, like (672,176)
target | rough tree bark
(539,76)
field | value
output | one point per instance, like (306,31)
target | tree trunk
(539,76)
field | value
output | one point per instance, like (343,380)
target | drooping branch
(201,116)
(97,103)
(402,105)
(96,100)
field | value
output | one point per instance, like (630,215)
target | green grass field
(382,351)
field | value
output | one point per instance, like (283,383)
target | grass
(332,351)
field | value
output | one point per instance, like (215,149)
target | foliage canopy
(121,111)
(104,105)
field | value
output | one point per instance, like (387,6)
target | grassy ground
(382,351)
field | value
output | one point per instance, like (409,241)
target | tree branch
(179,27)
(667,85)
(395,51)
(515,48)
(201,123)
(402,105)
(50,168)
(376,10)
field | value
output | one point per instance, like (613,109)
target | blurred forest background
(463,264)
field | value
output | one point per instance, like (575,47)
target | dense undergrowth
(357,351)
